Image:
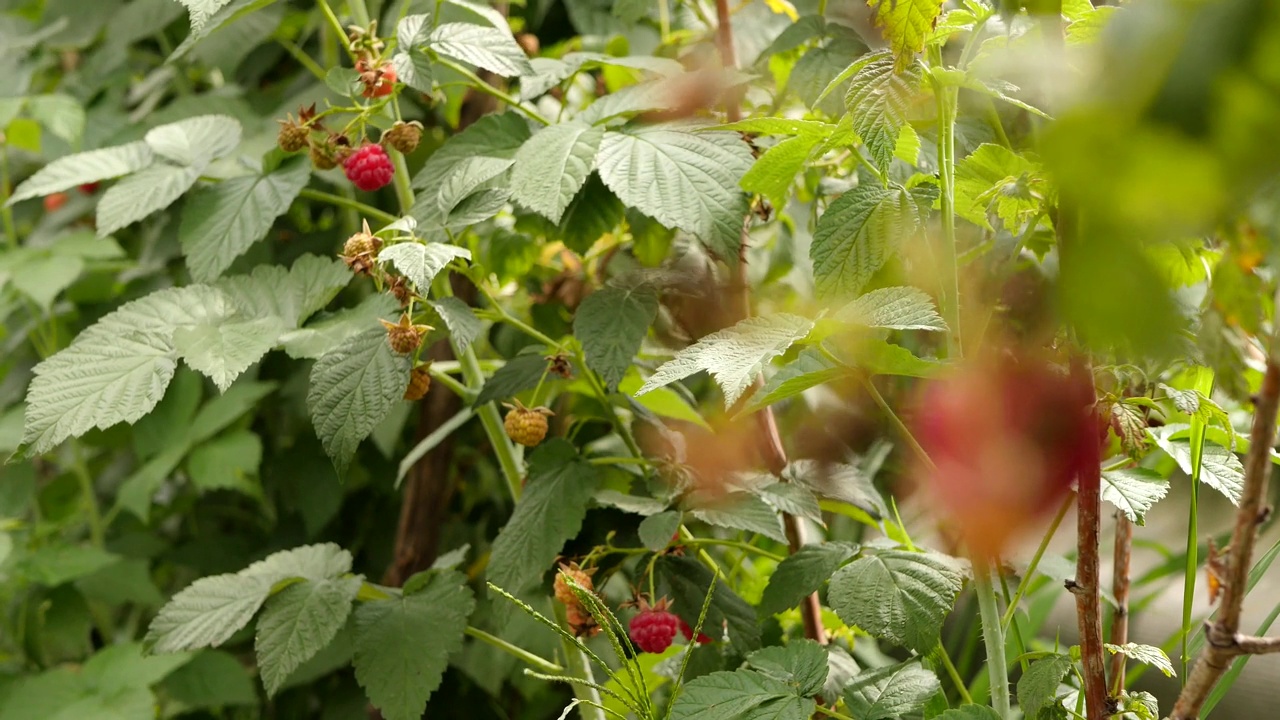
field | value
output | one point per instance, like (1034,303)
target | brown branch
(1223,639)
(772,450)
(1120,588)
(1088,600)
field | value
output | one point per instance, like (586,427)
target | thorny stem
(1086,590)
(1120,589)
(580,667)
(1222,639)
(992,636)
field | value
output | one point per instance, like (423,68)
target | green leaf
(220,222)
(322,335)
(878,99)
(421,262)
(1038,686)
(802,573)
(821,66)
(207,612)
(61,114)
(740,695)
(890,692)
(464,326)
(548,513)
(225,350)
(202,10)
(1134,491)
(809,369)
(894,308)
(1219,467)
(352,389)
(124,666)
(906,24)
(291,295)
(611,323)
(898,596)
(54,565)
(42,276)
(793,499)
(970,712)
(553,165)
(197,141)
(212,679)
(700,172)
(403,643)
(742,511)
(143,193)
(485,47)
(518,374)
(114,371)
(988,178)
(775,171)
(687,581)
(464,184)
(878,357)
(801,664)
(298,622)
(1146,654)
(70,171)
(594,211)
(411,63)
(657,530)
(733,356)
(859,231)
(228,462)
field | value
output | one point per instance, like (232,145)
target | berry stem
(517,652)
(348,203)
(484,87)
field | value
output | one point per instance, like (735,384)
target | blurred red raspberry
(54,201)
(1007,438)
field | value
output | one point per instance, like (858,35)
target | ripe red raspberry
(653,628)
(55,201)
(89,188)
(687,632)
(369,168)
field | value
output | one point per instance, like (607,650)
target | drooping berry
(404,337)
(527,426)
(419,383)
(369,168)
(361,250)
(399,289)
(1007,437)
(403,136)
(687,632)
(292,137)
(378,81)
(54,201)
(654,628)
(322,157)
(563,592)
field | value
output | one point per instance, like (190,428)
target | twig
(1223,641)
(1120,588)
(775,455)
(1086,585)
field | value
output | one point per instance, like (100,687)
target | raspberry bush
(436,359)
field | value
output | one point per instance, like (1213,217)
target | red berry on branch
(687,632)
(54,201)
(89,188)
(653,629)
(369,168)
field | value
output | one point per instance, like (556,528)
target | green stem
(993,637)
(488,89)
(603,396)
(1035,561)
(954,674)
(81,470)
(515,651)
(404,190)
(620,460)
(746,547)
(832,713)
(579,667)
(462,391)
(900,426)
(302,57)
(492,422)
(359,12)
(1204,383)
(348,203)
(336,26)
(950,272)
(6,191)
